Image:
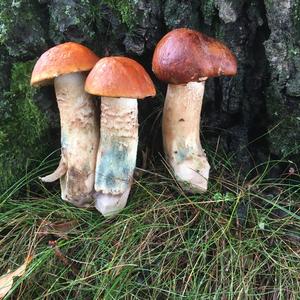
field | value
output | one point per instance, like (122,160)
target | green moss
(5,21)
(208,7)
(284,139)
(125,8)
(220,32)
(208,10)
(296,18)
(296,12)
(22,127)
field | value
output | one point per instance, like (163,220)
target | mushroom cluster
(97,164)
(90,171)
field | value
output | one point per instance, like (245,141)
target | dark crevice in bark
(259,125)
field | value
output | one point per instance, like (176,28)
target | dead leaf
(7,280)
(58,229)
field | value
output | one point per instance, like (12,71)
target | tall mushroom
(64,65)
(185,58)
(120,81)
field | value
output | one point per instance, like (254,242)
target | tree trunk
(254,115)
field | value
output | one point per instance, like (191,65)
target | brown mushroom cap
(62,59)
(117,76)
(184,55)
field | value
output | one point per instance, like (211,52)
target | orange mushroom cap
(62,59)
(117,76)
(184,55)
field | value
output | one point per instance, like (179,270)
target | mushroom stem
(181,125)
(79,140)
(117,152)
(58,173)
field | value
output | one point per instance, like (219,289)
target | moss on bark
(125,9)
(22,127)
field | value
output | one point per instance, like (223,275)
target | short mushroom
(185,58)
(64,65)
(120,81)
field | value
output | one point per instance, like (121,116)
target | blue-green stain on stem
(181,153)
(64,139)
(115,168)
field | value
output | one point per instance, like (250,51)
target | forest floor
(240,240)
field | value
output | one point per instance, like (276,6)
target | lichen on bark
(20,28)
(283,91)
(72,20)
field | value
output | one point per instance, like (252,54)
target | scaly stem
(79,140)
(181,135)
(117,152)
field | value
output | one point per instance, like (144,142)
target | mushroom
(185,58)
(64,65)
(120,81)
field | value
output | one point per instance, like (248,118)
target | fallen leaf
(58,229)
(7,280)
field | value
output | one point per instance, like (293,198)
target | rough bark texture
(261,104)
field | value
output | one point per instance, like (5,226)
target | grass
(240,240)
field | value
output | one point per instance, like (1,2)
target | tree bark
(253,116)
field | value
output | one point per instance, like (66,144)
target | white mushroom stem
(117,152)
(79,140)
(181,135)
